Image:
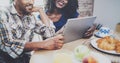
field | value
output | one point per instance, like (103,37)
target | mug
(118,28)
(103,31)
(117,31)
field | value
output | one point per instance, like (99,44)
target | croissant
(117,49)
(106,43)
(109,43)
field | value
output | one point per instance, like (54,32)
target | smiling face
(25,5)
(61,3)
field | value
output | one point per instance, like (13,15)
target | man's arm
(46,28)
(15,48)
(48,44)
(44,18)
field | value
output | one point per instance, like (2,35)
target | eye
(65,1)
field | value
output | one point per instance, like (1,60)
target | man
(17,26)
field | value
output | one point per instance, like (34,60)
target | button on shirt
(15,30)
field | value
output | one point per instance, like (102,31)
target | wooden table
(46,56)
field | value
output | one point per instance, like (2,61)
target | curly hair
(68,10)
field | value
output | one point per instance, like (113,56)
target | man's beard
(26,13)
(28,9)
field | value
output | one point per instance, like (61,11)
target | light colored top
(15,30)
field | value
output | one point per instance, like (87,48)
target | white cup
(104,31)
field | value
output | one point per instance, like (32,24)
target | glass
(81,51)
(62,56)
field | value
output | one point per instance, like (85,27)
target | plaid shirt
(15,31)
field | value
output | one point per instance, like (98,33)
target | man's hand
(53,43)
(44,18)
(37,9)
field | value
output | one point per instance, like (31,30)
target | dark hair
(68,10)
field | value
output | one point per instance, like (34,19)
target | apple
(89,59)
(81,51)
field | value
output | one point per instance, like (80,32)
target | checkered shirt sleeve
(14,49)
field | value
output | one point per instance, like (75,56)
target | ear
(15,1)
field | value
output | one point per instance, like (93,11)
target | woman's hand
(89,32)
(61,30)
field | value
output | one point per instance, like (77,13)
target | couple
(17,27)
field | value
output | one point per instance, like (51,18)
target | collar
(13,10)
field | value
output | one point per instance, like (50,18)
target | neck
(58,11)
(18,10)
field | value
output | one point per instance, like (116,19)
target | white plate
(94,44)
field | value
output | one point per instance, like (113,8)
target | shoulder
(76,14)
(3,12)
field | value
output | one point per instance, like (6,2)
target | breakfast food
(89,59)
(117,47)
(106,43)
(109,43)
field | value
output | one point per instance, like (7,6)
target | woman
(61,10)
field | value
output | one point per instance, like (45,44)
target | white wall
(39,2)
(4,2)
(107,12)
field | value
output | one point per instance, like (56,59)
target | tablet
(76,27)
